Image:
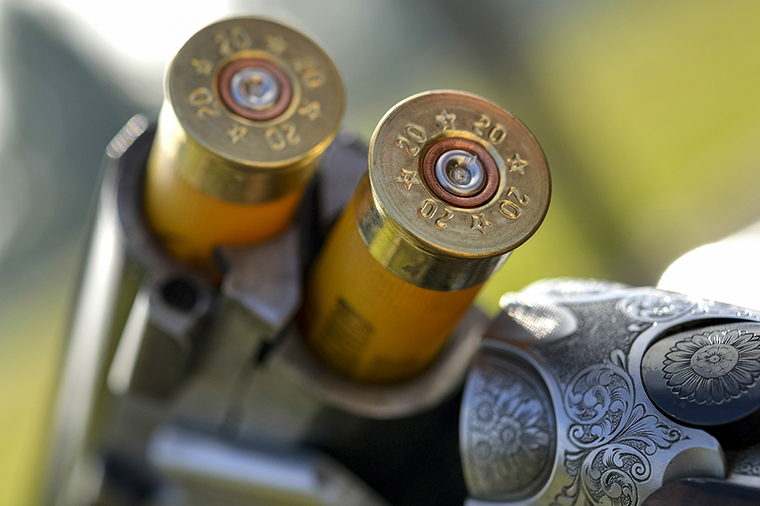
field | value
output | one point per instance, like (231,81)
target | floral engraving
(574,288)
(713,368)
(746,463)
(654,307)
(510,433)
(749,465)
(613,436)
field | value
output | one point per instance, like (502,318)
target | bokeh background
(649,114)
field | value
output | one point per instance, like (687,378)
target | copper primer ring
(472,147)
(283,101)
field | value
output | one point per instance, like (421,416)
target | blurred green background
(649,114)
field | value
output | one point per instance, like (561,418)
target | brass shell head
(433,237)
(229,149)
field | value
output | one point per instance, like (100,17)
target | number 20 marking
(427,211)
(497,134)
(417,133)
(510,209)
(278,138)
(236,39)
(203,100)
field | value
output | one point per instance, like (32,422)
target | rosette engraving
(510,431)
(714,367)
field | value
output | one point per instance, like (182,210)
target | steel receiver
(454,184)
(249,107)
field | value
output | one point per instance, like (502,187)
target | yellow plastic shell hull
(367,324)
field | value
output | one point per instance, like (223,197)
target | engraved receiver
(591,392)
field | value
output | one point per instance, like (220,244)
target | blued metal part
(127,480)
(612,443)
(707,377)
(292,363)
(703,492)
(223,346)
(211,470)
(154,349)
(122,256)
(339,175)
(426,235)
(744,466)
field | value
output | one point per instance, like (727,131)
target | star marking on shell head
(408,177)
(480,223)
(276,44)
(445,120)
(517,164)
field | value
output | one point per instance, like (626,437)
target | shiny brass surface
(476,151)
(279,105)
(434,240)
(255,157)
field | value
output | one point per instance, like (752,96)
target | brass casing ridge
(407,257)
(220,173)
(431,242)
(231,157)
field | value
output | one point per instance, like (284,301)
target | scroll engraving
(576,288)
(748,462)
(614,438)
(649,308)
(749,468)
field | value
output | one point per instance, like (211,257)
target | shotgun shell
(249,106)
(454,184)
